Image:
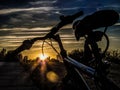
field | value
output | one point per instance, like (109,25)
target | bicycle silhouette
(92,53)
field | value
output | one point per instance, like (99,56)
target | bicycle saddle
(102,18)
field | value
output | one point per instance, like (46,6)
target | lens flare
(52,77)
(43,56)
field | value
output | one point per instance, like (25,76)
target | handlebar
(64,20)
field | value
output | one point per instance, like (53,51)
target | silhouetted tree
(76,54)
(2,54)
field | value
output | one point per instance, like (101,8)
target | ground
(57,71)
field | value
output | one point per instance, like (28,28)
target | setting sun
(43,57)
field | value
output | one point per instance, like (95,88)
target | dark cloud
(14,3)
(5,2)
(22,3)
(23,16)
(17,13)
(25,19)
(4,19)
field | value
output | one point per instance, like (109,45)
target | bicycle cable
(50,44)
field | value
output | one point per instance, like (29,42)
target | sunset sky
(26,19)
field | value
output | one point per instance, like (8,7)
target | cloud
(27,29)
(13,10)
(14,3)
(50,2)
(27,19)
(20,20)
(117,24)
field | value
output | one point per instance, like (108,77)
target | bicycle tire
(107,43)
(102,53)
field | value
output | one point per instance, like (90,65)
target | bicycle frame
(86,69)
(75,64)
(80,67)
(72,63)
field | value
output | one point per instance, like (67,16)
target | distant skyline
(26,19)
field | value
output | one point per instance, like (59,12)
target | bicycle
(74,79)
(74,76)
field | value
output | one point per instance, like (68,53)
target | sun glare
(43,57)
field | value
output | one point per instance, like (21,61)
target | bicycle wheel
(100,47)
(103,44)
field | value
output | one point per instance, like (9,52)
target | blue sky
(26,19)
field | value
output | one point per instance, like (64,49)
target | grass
(113,56)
